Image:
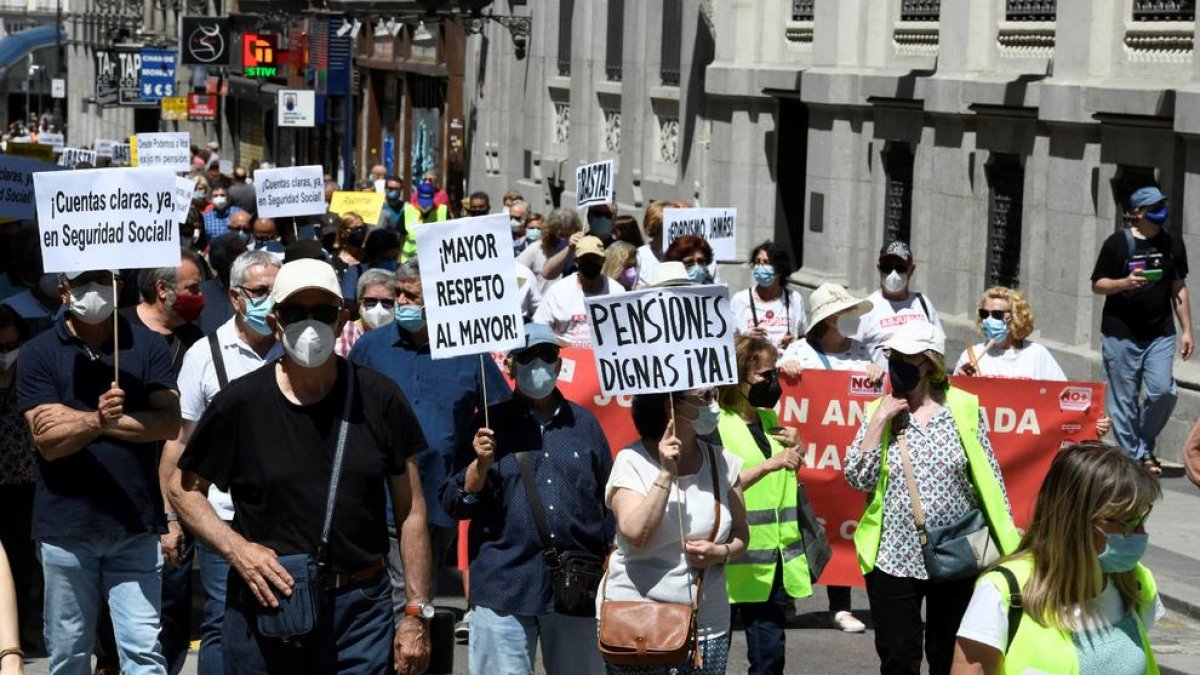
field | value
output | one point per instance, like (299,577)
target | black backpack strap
(1130,244)
(218,360)
(525,462)
(924,307)
(1015,608)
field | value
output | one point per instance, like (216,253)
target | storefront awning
(16,46)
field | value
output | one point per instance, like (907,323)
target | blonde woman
(621,264)
(1087,600)
(1005,321)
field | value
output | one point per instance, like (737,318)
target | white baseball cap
(914,337)
(830,299)
(302,275)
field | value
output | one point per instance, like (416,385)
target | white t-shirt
(857,357)
(562,309)
(777,317)
(527,291)
(198,385)
(986,619)
(658,571)
(1031,362)
(877,325)
(646,262)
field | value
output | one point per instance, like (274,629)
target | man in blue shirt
(216,219)
(98,508)
(511,584)
(445,394)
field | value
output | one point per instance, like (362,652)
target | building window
(566,14)
(920,10)
(614,48)
(897,214)
(1030,10)
(1126,181)
(1006,180)
(1164,10)
(672,26)
(802,10)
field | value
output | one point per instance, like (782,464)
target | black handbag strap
(214,346)
(335,474)
(1015,607)
(525,462)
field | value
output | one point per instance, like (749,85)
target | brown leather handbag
(648,633)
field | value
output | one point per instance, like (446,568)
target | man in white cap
(271,439)
(562,306)
(894,304)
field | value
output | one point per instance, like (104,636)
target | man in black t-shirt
(269,439)
(1141,272)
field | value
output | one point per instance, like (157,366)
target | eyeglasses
(1130,526)
(702,397)
(889,267)
(370,303)
(477,212)
(547,353)
(290,314)
(256,292)
(994,313)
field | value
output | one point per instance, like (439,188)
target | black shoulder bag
(298,614)
(214,346)
(575,574)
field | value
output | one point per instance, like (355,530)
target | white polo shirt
(198,385)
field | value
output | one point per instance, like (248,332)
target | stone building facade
(1001,137)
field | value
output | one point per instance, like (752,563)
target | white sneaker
(847,622)
(462,629)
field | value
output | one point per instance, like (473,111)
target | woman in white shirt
(768,309)
(1005,321)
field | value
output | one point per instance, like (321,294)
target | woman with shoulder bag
(680,518)
(937,512)
(1085,601)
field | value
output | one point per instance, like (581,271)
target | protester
(651,253)
(11,656)
(242,193)
(768,309)
(327,233)
(266,237)
(37,304)
(954,472)
(625,228)
(200,193)
(672,485)
(562,229)
(774,568)
(240,225)
(217,307)
(512,587)
(377,178)
(527,292)
(351,235)
(392,215)
(1086,603)
(171,302)
(1142,273)
(243,343)
(600,222)
(695,254)
(518,217)
(17,454)
(894,304)
(562,307)
(376,293)
(620,264)
(191,230)
(533,228)
(422,209)
(100,535)
(216,219)
(511,196)
(478,204)
(270,435)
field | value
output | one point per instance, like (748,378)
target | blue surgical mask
(256,314)
(393,195)
(536,379)
(994,329)
(1123,551)
(1157,216)
(533,234)
(244,235)
(698,274)
(764,275)
(600,226)
(707,419)
(410,317)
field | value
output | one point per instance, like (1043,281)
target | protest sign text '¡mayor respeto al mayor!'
(161,204)
(470,290)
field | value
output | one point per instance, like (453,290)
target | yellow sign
(133,150)
(174,109)
(37,151)
(366,204)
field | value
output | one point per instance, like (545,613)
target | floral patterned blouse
(943,480)
(16,441)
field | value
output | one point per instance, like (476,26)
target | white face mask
(847,324)
(381,185)
(7,359)
(895,282)
(707,419)
(220,202)
(93,303)
(377,316)
(309,343)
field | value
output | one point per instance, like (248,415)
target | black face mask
(903,375)
(357,236)
(589,268)
(765,394)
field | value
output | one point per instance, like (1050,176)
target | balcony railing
(1164,10)
(802,10)
(1030,10)
(920,10)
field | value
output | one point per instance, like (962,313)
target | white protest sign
(290,191)
(104,147)
(165,150)
(594,184)
(184,187)
(469,278)
(72,156)
(717,226)
(57,140)
(104,219)
(16,185)
(661,340)
(122,153)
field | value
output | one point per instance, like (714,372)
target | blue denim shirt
(571,463)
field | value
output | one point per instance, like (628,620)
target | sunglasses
(1130,526)
(889,267)
(256,292)
(702,398)
(370,303)
(994,313)
(290,314)
(547,353)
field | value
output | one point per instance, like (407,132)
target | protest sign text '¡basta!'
(161,204)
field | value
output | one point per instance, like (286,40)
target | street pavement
(815,646)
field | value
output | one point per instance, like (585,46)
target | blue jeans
(124,569)
(354,636)
(214,570)
(1127,366)
(504,644)
(764,626)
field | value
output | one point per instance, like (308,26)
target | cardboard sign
(103,219)
(16,185)
(663,339)
(594,184)
(104,147)
(468,274)
(290,191)
(166,150)
(36,151)
(72,156)
(184,187)
(717,226)
(369,205)
(57,141)
(122,153)
(296,108)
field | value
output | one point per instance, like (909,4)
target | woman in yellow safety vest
(1085,602)
(954,473)
(774,568)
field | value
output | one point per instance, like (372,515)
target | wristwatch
(422,610)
